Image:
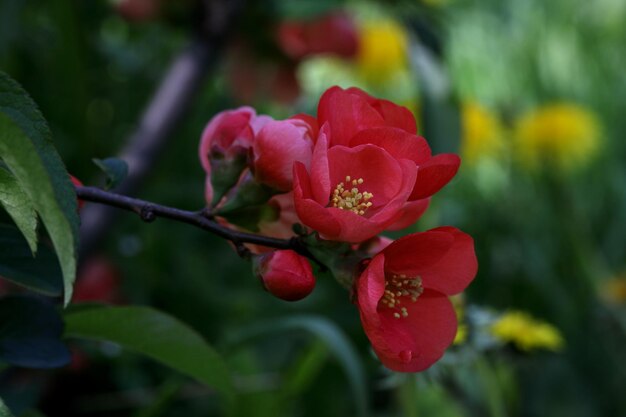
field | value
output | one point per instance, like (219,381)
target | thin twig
(149,211)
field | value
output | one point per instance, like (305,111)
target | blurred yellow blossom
(527,333)
(382,53)
(482,134)
(614,290)
(562,134)
(458,301)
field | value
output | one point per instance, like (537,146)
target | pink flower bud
(285,274)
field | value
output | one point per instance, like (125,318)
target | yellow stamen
(351,199)
(398,286)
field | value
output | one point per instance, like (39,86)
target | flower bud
(285,274)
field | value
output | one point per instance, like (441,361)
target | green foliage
(115,170)
(335,340)
(156,335)
(39,273)
(19,206)
(30,333)
(28,152)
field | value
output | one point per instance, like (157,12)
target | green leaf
(4,410)
(332,336)
(19,206)
(115,169)
(157,335)
(17,264)
(30,333)
(28,152)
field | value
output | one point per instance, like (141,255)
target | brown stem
(149,211)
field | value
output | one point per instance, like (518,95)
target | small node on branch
(242,251)
(147,214)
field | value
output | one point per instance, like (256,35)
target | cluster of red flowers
(357,169)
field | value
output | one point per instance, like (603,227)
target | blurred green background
(530,93)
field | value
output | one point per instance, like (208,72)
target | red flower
(353,119)
(351,194)
(286,274)
(228,135)
(330,34)
(402,296)
(277,146)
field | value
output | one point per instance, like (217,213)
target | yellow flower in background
(527,333)
(383,48)
(613,290)
(563,134)
(458,302)
(482,134)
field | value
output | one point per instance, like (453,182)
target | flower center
(399,286)
(351,198)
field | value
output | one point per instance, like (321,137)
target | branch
(149,211)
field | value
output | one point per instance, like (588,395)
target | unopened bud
(285,274)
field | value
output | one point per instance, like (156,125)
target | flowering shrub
(355,170)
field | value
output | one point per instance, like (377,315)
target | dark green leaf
(17,264)
(19,206)
(332,336)
(28,152)
(115,169)
(224,174)
(157,335)
(30,333)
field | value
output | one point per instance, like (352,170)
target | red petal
(413,253)
(381,173)
(400,144)
(443,258)
(311,121)
(394,115)
(415,342)
(434,174)
(309,211)
(277,146)
(347,114)
(319,168)
(456,269)
(370,287)
(410,213)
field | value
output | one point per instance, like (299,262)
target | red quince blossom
(334,33)
(355,118)
(286,274)
(351,194)
(351,119)
(228,135)
(402,296)
(277,146)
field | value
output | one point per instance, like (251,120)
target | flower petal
(443,258)
(309,211)
(415,342)
(346,114)
(277,146)
(394,115)
(412,254)
(400,144)
(410,213)
(434,174)
(456,269)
